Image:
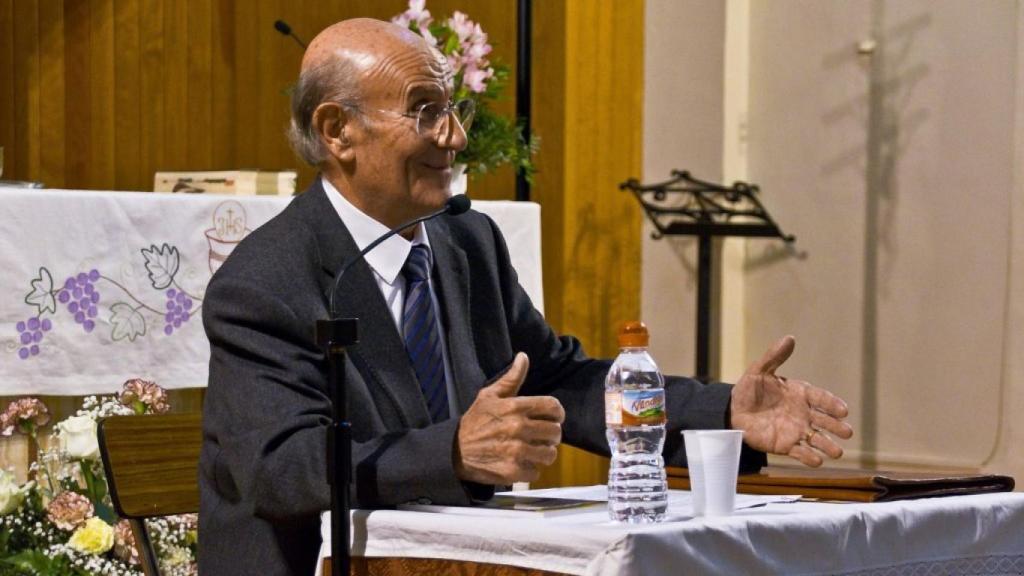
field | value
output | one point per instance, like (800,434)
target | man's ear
(333,124)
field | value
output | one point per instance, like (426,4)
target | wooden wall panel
(7,85)
(77,143)
(224,130)
(176,119)
(52,91)
(137,86)
(152,96)
(103,158)
(199,124)
(25,149)
(588,98)
(127,101)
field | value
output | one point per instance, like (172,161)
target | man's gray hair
(336,80)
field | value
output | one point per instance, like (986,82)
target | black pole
(704,307)
(334,336)
(524,34)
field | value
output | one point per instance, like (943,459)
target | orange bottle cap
(633,334)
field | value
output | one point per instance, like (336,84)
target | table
(980,534)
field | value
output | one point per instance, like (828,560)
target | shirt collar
(387,259)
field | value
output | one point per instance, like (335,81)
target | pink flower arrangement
(144,397)
(24,414)
(69,510)
(62,519)
(461,40)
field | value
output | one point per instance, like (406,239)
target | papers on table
(680,502)
(586,503)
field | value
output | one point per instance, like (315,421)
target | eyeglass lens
(431,115)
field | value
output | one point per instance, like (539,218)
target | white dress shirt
(386,261)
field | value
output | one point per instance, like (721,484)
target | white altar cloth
(99,287)
(982,534)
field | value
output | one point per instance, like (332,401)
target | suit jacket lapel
(380,354)
(452,285)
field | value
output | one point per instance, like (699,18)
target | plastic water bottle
(634,400)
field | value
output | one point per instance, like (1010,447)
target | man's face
(398,173)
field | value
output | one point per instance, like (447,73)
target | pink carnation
(476,79)
(425,32)
(69,510)
(23,413)
(475,55)
(461,25)
(124,543)
(454,63)
(152,396)
(477,36)
(190,521)
(417,13)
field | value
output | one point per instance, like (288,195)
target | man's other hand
(785,416)
(504,438)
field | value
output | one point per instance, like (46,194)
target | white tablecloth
(145,253)
(981,534)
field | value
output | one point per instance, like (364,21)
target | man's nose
(451,133)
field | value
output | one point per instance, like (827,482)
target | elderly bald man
(457,384)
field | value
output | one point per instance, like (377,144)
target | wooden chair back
(152,467)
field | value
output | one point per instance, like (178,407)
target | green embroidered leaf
(162,264)
(127,322)
(41,295)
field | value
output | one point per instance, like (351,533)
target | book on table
(238,182)
(514,506)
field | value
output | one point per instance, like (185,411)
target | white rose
(11,495)
(78,438)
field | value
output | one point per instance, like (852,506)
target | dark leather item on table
(857,485)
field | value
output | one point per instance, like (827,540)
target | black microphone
(283,27)
(455,205)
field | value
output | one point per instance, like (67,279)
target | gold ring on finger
(809,435)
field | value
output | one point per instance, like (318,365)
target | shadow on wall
(889,118)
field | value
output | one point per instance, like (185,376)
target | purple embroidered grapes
(30,335)
(179,309)
(80,298)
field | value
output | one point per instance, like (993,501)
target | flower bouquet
(61,522)
(493,139)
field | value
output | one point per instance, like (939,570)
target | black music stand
(686,206)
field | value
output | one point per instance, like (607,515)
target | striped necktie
(422,336)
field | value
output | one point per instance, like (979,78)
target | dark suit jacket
(262,469)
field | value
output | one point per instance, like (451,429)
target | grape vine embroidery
(83,298)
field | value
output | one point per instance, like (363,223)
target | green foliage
(35,562)
(22,551)
(495,140)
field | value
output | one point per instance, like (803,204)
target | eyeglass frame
(448,110)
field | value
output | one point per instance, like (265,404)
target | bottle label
(613,408)
(643,407)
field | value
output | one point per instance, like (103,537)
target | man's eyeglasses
(430,117)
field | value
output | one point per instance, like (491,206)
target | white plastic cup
(713,459)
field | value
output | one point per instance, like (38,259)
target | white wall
(683,99)
(899,172)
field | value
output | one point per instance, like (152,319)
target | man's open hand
(503,438)
(784,416)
